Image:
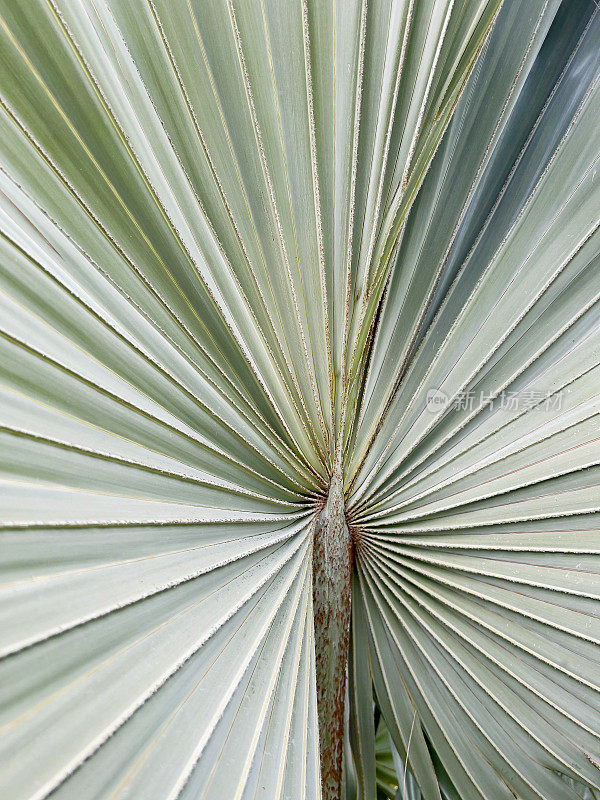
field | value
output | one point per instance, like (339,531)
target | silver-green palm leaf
(249,249)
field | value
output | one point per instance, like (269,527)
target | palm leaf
(298,313)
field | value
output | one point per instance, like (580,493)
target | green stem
(332,571)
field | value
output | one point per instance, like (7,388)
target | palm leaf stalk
(299,368)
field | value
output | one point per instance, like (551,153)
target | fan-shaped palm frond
(299,368)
